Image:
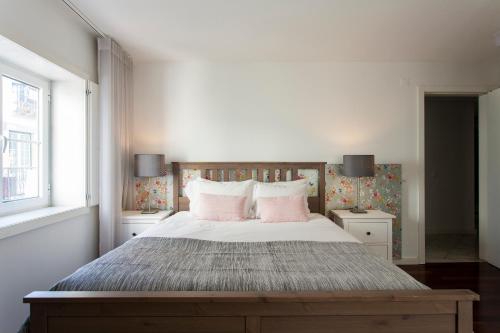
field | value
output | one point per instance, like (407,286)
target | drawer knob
(368,233)
(134,234)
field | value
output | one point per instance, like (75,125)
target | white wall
(37,259)
(293,112)
(50,29)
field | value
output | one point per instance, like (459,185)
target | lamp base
(356,210)
(150,211)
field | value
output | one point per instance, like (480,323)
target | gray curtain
(116,175)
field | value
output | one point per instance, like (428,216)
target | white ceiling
(301,30)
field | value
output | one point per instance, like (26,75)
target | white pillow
(200,185)
(279,189)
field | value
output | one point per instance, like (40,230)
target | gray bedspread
(164,264)
(168,264)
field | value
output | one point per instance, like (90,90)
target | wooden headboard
(260,171)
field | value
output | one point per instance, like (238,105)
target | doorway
(451,178)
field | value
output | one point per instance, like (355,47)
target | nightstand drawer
(369,232)
(378,250)
(133,223)
(128,231)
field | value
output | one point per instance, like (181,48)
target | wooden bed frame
(251,312)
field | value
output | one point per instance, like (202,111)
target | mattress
(185,225)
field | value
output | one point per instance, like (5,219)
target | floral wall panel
(312,177)
(380,192)
(161,191)
(237,175)
(187,175)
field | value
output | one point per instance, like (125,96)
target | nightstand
(133,223)
(374,229)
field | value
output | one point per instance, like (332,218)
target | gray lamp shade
(149,165)
(359,165)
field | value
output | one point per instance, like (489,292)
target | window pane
(20,162)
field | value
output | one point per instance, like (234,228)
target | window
(20,172)
(24,140)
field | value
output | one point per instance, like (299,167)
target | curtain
(115,105)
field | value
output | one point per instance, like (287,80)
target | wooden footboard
(350,311)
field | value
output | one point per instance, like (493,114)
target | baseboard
(406,261)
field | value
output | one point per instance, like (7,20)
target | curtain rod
(85,19)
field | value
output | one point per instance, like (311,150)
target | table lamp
(149,165)
(359,166)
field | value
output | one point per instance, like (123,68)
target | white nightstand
(374,229)
(133,223)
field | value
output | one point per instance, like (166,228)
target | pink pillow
(218,207)
(282,209)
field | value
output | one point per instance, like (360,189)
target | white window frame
(43,200)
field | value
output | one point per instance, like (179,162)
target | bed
(185,275)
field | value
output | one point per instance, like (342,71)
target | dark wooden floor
(482,278)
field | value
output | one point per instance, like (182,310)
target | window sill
(15,224)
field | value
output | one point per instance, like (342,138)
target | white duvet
(184,225)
